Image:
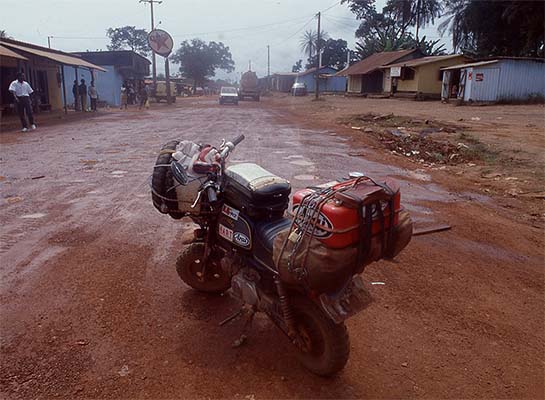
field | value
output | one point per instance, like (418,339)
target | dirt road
(91,306)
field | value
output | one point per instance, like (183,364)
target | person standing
(93,95)
(124,96)
(143,96)
(21,91)
(76,96)
(83,95)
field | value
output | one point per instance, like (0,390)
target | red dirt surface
(91,306)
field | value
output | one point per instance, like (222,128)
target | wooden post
(317,91)
(76,100)
(64,90)
(167,78)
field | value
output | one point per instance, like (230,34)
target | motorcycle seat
(264,235)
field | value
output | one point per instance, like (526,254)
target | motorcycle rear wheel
(324,345)
(189,268)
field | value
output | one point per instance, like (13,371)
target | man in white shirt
(93,95)
(21,91)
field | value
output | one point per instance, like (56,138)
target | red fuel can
(339,220)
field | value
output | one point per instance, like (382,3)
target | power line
(297,31)
(242,29)
(330,7)
(339,25)
(196,33)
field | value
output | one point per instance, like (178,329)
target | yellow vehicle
(160,92)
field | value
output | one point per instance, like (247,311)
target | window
(407,74)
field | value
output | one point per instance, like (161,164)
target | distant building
(368,77)
(500,79)
(45,70)
(120,66)
(420,77)
(330,82)
(282,82)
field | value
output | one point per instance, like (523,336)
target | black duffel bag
(163,191)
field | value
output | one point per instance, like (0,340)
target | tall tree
(361,8)
(496,28)
(199,60)
(418,13)
(334,54)
(129,38)
(384,31)
(309,40)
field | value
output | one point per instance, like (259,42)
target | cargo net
(304,257)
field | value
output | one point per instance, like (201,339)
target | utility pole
(268,67)
(153,65)
(417,19)
(49,41)
(317,91)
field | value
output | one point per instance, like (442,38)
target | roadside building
(120,66)
(368,77)
(329,81)
(282,82)
(421,77)
(505,79)
(45,70)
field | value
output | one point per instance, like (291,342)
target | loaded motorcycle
(302,268)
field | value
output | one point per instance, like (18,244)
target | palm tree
(456,12)
(308,41)
(426,12)
(417,13)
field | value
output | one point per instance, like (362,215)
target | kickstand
(247,325)
(232,317)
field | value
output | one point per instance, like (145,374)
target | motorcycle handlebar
(238,139)
(229,146)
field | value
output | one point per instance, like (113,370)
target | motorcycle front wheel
(323,346)
(189,267)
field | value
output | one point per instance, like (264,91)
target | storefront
(44,69)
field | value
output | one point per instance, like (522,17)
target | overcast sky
(246,26)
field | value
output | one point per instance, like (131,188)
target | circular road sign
(160,42)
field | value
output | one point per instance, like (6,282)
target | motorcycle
(303,269)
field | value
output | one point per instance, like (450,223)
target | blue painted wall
(507,80)
(108,84)
(335,84)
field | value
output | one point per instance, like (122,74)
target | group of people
(22,92)
(130,96)
(80,93)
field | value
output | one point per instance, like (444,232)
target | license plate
(349,301)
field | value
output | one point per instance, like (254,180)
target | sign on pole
(161,43)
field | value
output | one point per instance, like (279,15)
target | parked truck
(160,92)
(249,86)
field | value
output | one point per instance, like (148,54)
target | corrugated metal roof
(374,62)
(475,64)
(422,61)
(290,74)
(54,55)
(5,52)
(313,69)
